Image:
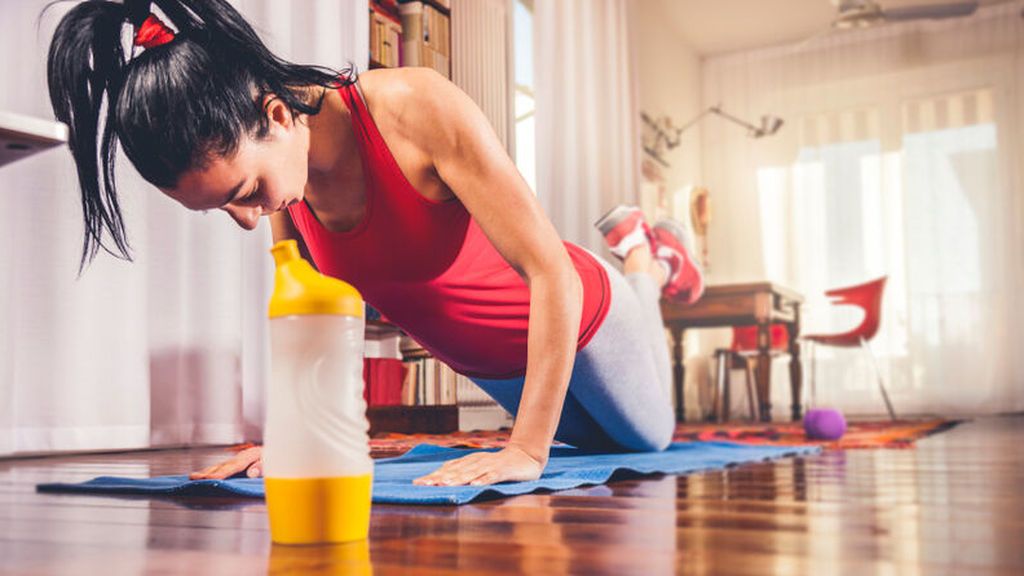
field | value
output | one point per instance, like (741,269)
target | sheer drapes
(900,157)
(169,349)
(587,114)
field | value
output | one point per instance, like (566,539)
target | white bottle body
(316,423)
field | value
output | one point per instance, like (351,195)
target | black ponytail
(174,107)
(85,61)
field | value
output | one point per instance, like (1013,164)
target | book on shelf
(383,378)
(426,36)
(400,374)
(429,381)
(410,33)
(383,371)
(385,33)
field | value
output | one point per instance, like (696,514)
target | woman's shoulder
(408,83)
(413,101)
(411,121)
(407,94)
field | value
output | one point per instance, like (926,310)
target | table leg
(764,370)
(722,358)
(795,366)
(726,397)
(678,372)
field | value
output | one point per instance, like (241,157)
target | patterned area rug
(863,434)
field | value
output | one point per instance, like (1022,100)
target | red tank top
(428,267)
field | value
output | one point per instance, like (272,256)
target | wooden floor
(953,505)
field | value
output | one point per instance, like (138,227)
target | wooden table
(760,304)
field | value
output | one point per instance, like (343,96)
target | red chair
(868,297)
(742,355)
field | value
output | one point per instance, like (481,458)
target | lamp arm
(727,116)
(671,136)
(712,110)
(692,123)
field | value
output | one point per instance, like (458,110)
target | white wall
(670,85)
(669,71)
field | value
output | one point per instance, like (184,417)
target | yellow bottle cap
(300,289)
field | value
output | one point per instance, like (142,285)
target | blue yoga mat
(392,481)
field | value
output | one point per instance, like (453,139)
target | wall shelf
(22,136)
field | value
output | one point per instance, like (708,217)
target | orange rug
(864,434)
(899,434)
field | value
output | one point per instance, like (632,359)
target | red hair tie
(153,33)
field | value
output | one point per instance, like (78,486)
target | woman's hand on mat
(249,460)
(509,464)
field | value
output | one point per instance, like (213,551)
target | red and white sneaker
(624,228)
(673,245)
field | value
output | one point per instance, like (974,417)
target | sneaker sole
(684,238)
(680,233)
(611,219)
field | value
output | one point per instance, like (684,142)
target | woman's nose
(246,217)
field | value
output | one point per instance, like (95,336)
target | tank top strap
(359,90)
(382,170)
(370,139)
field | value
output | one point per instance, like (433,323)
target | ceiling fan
(864,13)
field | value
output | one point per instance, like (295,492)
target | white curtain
(587,115)
(480,59)
(901,156)
(170,349)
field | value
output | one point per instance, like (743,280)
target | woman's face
(263,177)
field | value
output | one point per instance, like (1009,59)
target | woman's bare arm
(472,162)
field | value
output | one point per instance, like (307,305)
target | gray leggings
(620,391)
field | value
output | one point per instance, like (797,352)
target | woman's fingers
(220,471)
(445,469)
(204,473)
(212,473)
(488,477)
(486,468)
(462,461)
(256,470)
(454,472)
(245,459)
(462,474)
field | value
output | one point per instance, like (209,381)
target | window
(525,152)
(910,189)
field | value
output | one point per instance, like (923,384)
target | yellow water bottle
(316,459)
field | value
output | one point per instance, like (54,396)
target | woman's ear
(277,111)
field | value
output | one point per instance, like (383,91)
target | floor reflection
(349,558)
(950,505)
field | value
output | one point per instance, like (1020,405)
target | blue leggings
(619,394)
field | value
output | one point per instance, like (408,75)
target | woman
(394,182)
